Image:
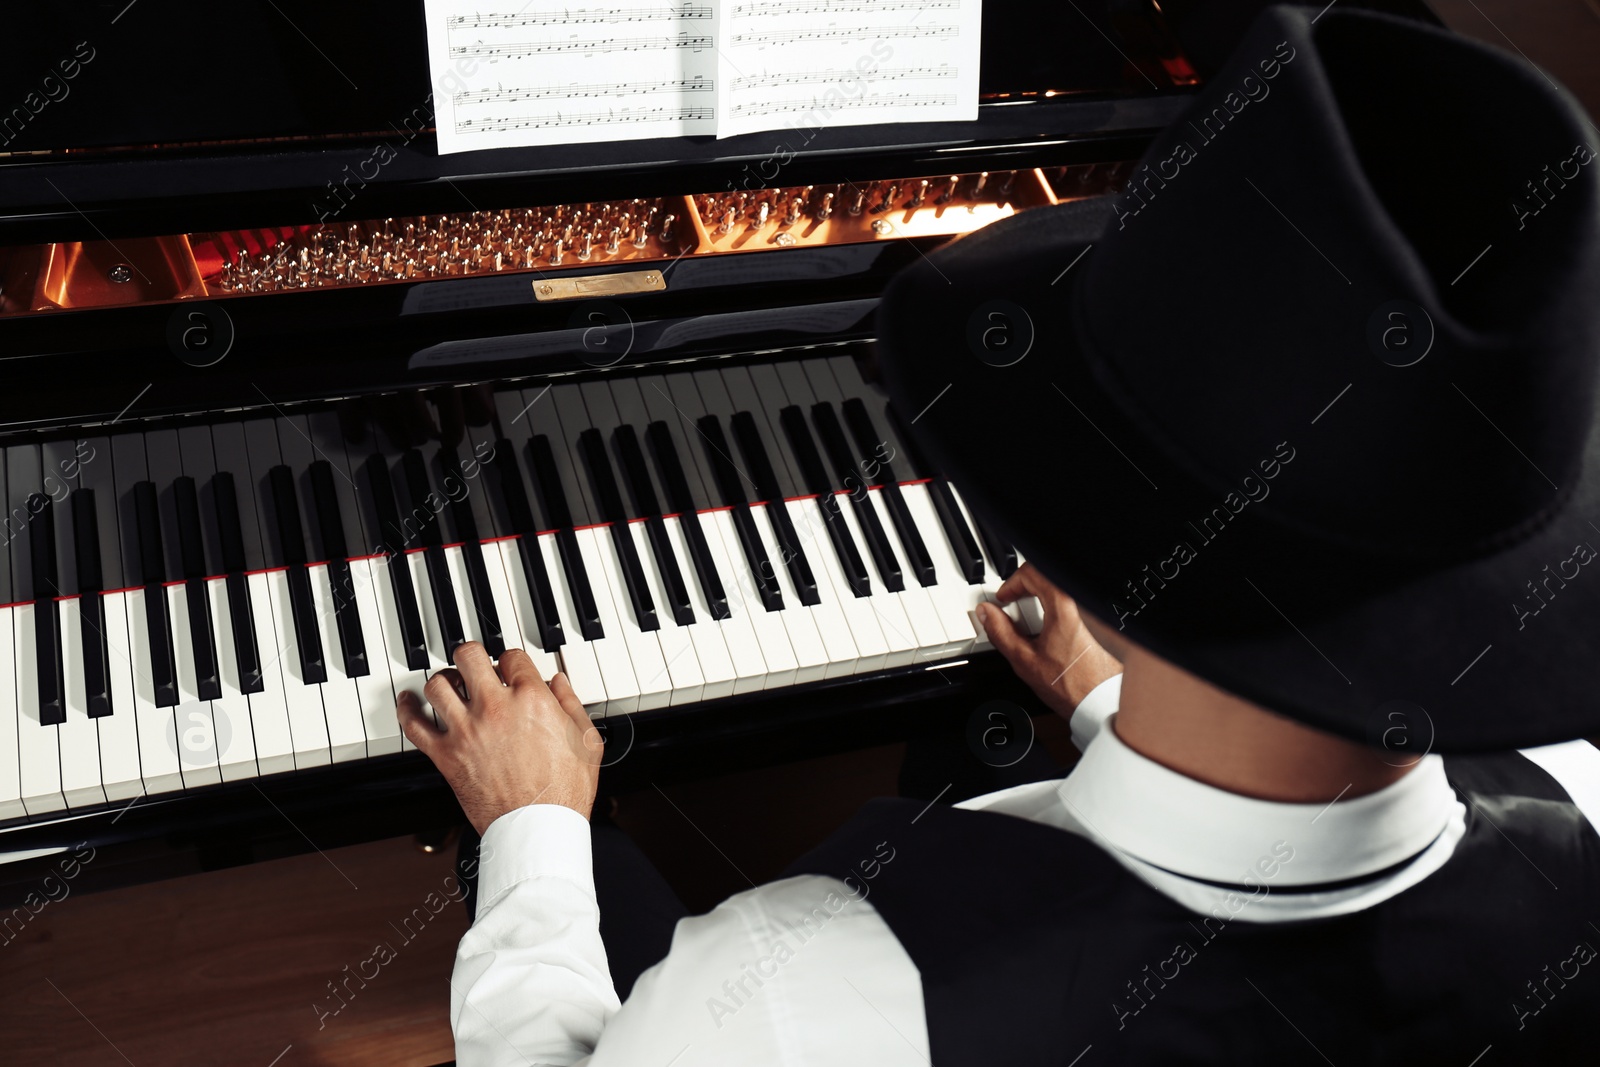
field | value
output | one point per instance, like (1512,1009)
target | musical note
(602,44)
(800,106)
(586,118)
(585,16)
(944,72)
(577,92)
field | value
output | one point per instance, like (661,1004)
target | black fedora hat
(1308,409)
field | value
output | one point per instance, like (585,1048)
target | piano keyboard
(214,603)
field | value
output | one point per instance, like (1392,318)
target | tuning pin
(587,251)
(614,245)
(763,212)
(528,257)
(666,228)
(920,195)
(555,254)
(1010,180)
(792,216)
(826,208)
(641,236)
(949,193)
(889,198)
(858,202)
(977,187)
(727,221)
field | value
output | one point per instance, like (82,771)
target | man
(1330,485)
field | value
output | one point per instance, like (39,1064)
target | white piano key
(746,669)
(804,638)
(400,673)
(236,756)
(503,561)
(623,683)
(376,688)
(888,609)
(432,636)
(991,578)
(688,683)
(772,637)
(1031,610)
(471,621)
(38,746)
(79,740)
(919,607)
(199,743)
(843,608)
(11,806)
(119,732)
(269,709)
(838,636)
(158,739)
(577,656)
(952,596)
(341,700)
(308,727)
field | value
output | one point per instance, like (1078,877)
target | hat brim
(1415,655)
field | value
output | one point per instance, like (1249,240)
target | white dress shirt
(805,972)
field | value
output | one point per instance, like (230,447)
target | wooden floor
(235,966)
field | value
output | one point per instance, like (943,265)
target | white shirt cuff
(538,841)
(1093,710)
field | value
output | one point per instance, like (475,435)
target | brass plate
(586,285)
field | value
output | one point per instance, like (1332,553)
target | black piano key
(646,504)
(871,449)
(681,500)
(91,609)
(815,477)
(505,481)
(391,536)
(548,481)
(230,535)
(441,587)
(744,524)
(346,613)
(439,583)
(471,538)
(153,576)
(844,465)
(307,635)
(1003,555)
(51,677)
(608,500)
(202,634)
(766,479)
(963,545)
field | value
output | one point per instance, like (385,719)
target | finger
(415,724)
(1010,642)
(562,690)
(446,699)
(1026,581)
(518,669)
(477,669)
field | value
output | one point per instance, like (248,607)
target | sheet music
(548,72)
(545,72)
(810,64)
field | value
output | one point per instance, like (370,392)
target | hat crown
(1376,243)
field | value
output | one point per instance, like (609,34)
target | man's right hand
(1061,665)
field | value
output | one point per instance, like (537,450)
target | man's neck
(1189,726)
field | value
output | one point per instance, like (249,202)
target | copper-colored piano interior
(334,254)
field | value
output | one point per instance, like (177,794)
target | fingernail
(981,615)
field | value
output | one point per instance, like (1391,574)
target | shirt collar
(1135,806)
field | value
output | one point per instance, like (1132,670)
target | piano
(293,405)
